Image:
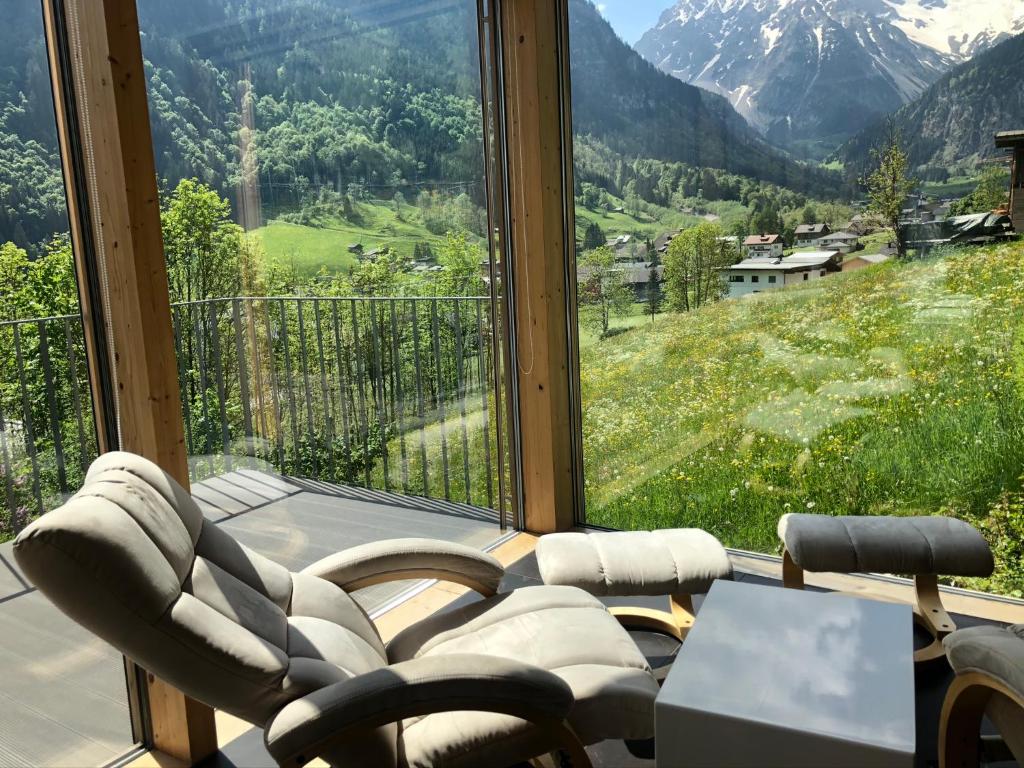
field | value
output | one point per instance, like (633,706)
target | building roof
(811,229)
(1008,139)
(871,258)
(841,236)
(795,263)
(762,239)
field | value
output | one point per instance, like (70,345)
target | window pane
(64,699)
(761,334)
(325,225)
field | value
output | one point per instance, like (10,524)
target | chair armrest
(398,559)
(455,683)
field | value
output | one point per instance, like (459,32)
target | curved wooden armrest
(314,724)
(401,559)
(959,728)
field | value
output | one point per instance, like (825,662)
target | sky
(631,18)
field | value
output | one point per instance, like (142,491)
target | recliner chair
(499,681)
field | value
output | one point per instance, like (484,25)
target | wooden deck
(63,700)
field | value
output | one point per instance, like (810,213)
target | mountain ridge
(952,123)
(809,74)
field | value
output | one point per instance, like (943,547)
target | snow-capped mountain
(812,72)
(960,28)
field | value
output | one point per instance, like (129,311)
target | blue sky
(631,18)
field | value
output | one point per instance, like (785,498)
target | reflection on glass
(64,698)
(324,213)
(755,338)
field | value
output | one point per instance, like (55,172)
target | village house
(764,246)
(662,242)
(862,260)
(844,242)
(860,225)
(809,235)
(754,275)
(636,276)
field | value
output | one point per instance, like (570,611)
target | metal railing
(388,393)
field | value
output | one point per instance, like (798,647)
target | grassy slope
(309,249)
(889,390)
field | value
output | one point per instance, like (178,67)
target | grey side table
(778,677)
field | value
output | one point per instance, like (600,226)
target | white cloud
(602,7)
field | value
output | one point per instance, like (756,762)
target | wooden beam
(539,181)
(96,56)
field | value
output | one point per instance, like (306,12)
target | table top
(830,664)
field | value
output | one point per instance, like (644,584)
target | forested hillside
(953,122)
(637,110)
(334,99)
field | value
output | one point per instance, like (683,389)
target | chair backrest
(131,558)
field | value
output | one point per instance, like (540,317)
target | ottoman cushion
(910,545)
(994,651)
(627,563)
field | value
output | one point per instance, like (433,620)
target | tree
(653,293)
(890,184)
(202,245)
(809,214)
(991,193)
(460,267)
(692,267)
(603,293)
(593,236)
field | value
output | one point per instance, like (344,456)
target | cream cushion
(627,563)
(560,629)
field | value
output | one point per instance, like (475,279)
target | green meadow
(897,389)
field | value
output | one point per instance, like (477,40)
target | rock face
(953,121)
(810,73)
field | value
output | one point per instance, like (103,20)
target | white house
(811,234)
(764,246)
(760,274)
(844,242)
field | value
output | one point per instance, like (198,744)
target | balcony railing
(389,393)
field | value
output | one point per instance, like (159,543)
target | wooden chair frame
(966,701)
(929,613)
(678,622)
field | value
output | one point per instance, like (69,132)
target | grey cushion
(131,558)
(995,651)
(910,545)
(629,563)
(560,629)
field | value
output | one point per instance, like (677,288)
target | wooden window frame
(99,87)
(541,280)
(105,138)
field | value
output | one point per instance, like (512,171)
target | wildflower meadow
(897,389)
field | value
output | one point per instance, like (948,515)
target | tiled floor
(63,700)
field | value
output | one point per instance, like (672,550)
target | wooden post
(539,179)
(96,62)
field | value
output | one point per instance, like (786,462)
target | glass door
(331,260)
(64,696)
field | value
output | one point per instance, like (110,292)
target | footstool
(922,547)
(675,562)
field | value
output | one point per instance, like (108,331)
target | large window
(881,373)
(326,228)
(64,697)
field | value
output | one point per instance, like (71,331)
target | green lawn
(657,222)
(892,390)
(957,186)
(310,249)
